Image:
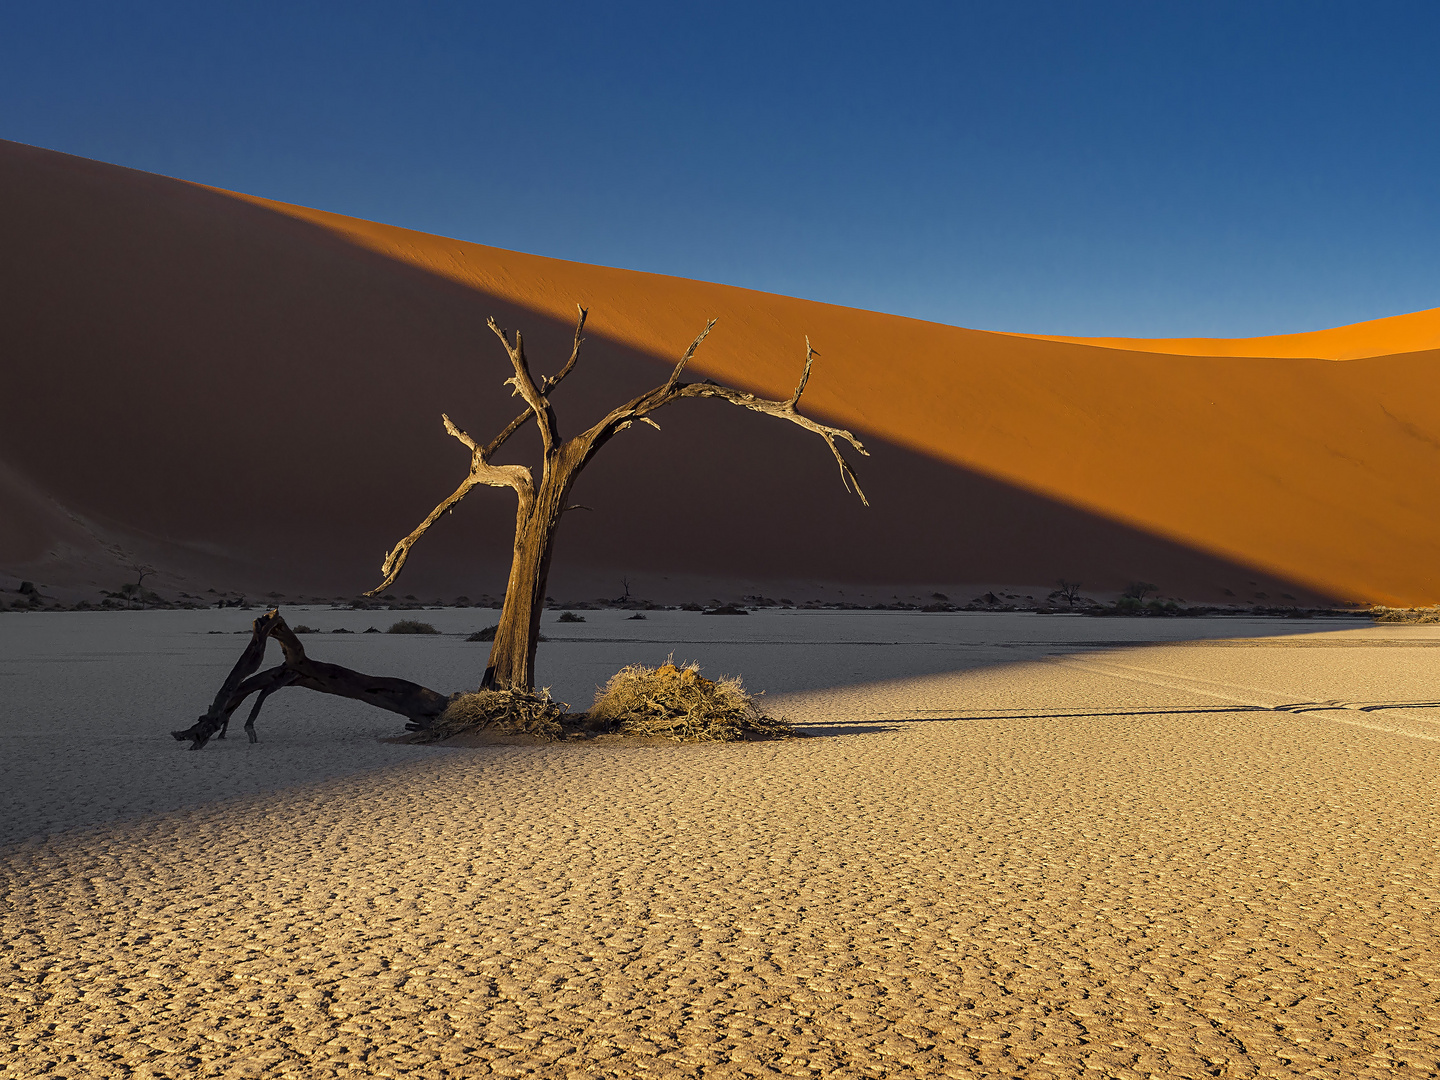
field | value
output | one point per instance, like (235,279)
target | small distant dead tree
(1138,590)
(539,508)
(135,591)
(1069,591)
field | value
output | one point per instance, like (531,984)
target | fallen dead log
(419,704)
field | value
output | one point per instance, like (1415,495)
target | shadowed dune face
(253,392)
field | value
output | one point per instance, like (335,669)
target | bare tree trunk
(512,657)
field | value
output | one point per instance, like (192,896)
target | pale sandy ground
(1013,845)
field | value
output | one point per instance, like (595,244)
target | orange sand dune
(233,375)
(1418,331)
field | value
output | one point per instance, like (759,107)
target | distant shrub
(726,609)
(303,629)
(372,630)
(411,626)
(1405,615)
(570,616)
(637,615)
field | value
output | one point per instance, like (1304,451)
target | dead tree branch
(481,471)
(641,407)
(549,385)
(524,384)
(417,703)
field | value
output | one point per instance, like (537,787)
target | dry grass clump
(1406,615)
(411,626)
(499,712)
(676,703)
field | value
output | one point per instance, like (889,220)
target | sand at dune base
(1010,845)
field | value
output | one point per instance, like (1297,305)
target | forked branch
(524,384)
(481,472)
(545,388)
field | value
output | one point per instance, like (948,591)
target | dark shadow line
(830,731)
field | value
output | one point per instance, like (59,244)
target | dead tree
(539,509)
(1069,591)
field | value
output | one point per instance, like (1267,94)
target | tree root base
(496,712)
(666,703)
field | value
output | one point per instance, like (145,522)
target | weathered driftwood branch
(416,703)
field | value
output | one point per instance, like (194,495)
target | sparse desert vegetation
(411,626)
(1406,615)
(677,703)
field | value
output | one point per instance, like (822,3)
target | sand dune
(253,390)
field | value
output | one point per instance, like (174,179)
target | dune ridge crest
(1417,331)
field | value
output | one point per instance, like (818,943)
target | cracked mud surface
(1055,861)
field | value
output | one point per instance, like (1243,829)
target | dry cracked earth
(1047,854)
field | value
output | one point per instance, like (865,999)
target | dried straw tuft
(676,703)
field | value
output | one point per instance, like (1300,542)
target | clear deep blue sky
(1136,168)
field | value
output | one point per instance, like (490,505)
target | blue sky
(1149,168)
